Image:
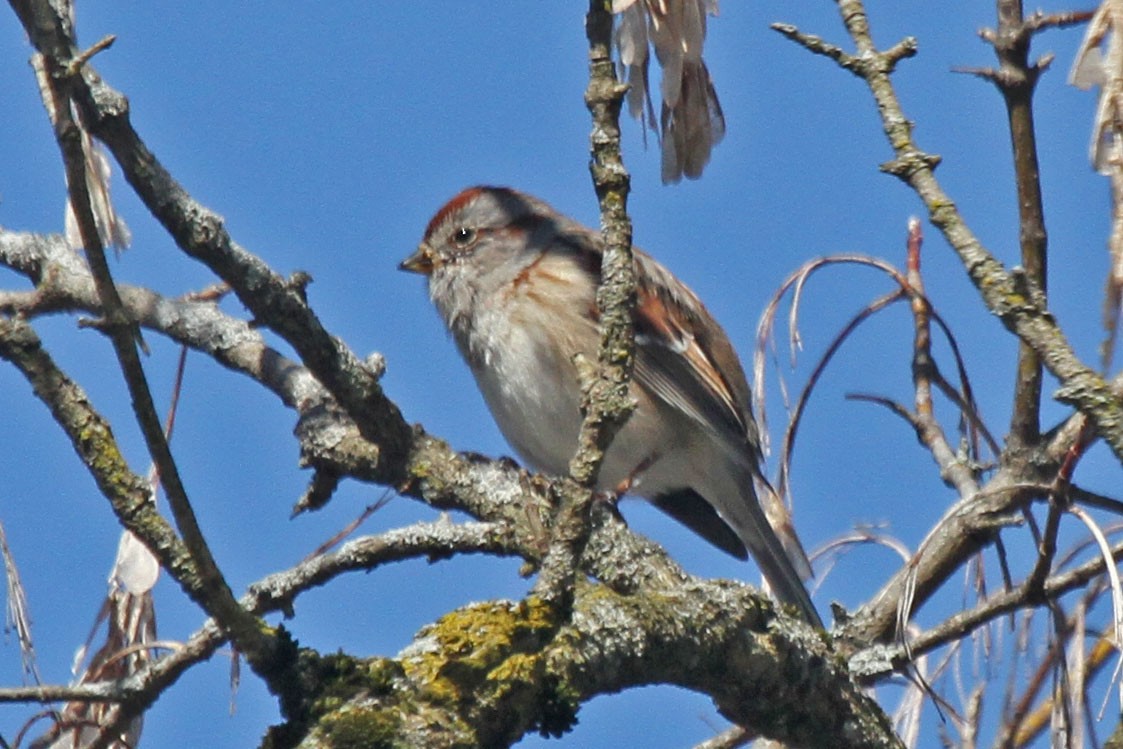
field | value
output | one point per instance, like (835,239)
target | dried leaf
(1113,578)
(17,614)
(692,121)
(130,635)
(1099,62)
(692,127)
(632,41)
(111,228)
(136,569)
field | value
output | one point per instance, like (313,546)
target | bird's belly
(535,400)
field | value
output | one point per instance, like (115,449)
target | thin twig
(964,622)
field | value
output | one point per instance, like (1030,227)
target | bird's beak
(419,262)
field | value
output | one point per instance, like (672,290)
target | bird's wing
(684,358)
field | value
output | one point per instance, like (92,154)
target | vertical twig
(1016,79)
(606,403)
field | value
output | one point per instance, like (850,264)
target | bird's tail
(773,545)
(780,572)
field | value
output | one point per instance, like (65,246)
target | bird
(515,283)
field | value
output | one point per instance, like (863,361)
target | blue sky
(327,134)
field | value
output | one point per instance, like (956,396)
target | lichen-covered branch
(607,404)
(489,673)
(93,440)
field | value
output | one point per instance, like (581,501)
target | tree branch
(495,490)
(1009,295)
(208,587)
(882,660)
(1016,80)
(497,678)
(274,301)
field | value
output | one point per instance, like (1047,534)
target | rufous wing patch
(663,323)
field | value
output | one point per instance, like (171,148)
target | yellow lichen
(362,728)
(475,643)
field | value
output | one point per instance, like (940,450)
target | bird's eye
(464,237)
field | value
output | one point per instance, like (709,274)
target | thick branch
(485,675)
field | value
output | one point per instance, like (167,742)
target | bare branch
(1016,300)
(207,587)
(1016,80)
(876,661)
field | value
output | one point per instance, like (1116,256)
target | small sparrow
(515,282)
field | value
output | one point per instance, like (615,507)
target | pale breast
(523,362)
(533,394)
